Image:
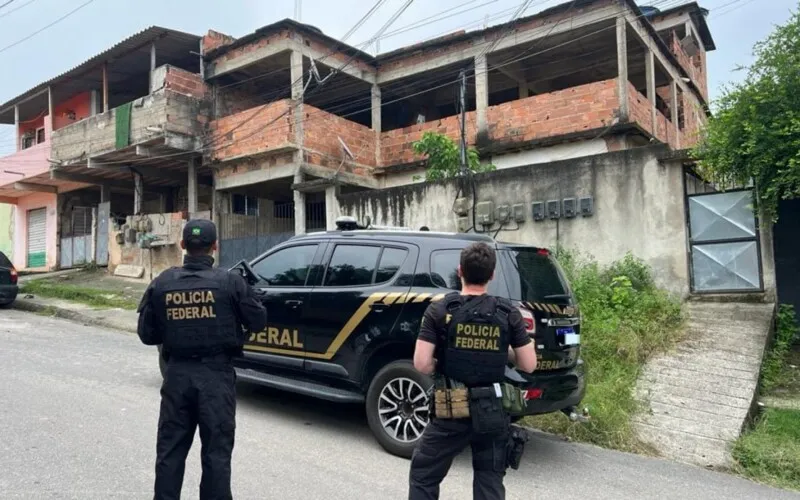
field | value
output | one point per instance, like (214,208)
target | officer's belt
(213,358)
(453,403)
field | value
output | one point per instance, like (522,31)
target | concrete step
(686,401)
(698,395)
(710,383)
(685,447)
(701,396)
(694,421)
(678,368)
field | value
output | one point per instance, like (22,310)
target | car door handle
(294,303)
(379,307)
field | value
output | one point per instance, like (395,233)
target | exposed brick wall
(397,145)
(697,74)
(320,131)
(256,134)
(185,82)
(252,46)
(639,109)
(241,97)
(214,39)
(585,107)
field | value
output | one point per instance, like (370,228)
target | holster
(486,410)
(516,446)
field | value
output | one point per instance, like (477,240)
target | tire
(398,430)
(162,364)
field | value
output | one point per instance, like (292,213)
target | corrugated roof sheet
(127,45)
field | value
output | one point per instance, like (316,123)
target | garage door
(37,224)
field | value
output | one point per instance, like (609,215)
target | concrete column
(105,87)
(481,94)
(152,63)
(105,193)
(622,68)
(674,107)
(138,193)
(192,187)
(331,207)
(16,128)
(299,207)
(50,107)
(376,121)
(296,61)
(162,203)
(524,91)
(650,77)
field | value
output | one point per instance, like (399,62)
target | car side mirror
(245,271)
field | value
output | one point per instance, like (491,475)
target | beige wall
(638,207)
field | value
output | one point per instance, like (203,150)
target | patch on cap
(195,231)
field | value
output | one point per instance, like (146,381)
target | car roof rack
(349,223)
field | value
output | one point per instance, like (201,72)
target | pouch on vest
(486,410)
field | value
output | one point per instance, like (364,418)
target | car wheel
(162,364)
(6,305)
(397,407)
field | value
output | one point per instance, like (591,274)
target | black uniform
(472,335)
(197,313)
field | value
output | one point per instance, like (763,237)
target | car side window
(287,267)
(444,269)
(391,261)
(352,265)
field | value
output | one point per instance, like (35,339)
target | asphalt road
(78,412)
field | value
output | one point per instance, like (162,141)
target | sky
(736,26)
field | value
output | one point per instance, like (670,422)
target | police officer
(466,340)
(196,312)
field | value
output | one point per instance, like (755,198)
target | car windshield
(532,276)
(4,262)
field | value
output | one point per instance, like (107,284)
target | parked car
(8,281)
(344,310)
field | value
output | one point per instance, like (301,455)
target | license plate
(570,337)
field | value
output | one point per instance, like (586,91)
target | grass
(770,452)
(76,293)
(626,320)
(774,371)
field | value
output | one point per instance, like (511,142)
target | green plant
(444,157)
(626,319)
(774,370)
(754,133)
(770,452)
(89,296)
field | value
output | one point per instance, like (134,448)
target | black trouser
(441,442)
(196,393)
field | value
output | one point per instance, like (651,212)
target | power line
(9,1)
(73,11)
(17,8)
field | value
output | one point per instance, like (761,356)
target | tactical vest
(196,308)
(476,346)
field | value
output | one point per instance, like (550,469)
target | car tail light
(529,320)
(532,393)
(14,276)
(543,251)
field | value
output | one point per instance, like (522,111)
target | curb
(61,312)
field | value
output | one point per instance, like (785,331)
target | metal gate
(37,238)
(724,243)
(101,250)
(248,236)
(76,241)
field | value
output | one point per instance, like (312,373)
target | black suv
(344,309)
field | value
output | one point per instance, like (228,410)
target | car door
(358,300)
(286,276)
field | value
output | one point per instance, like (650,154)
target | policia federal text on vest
(473,335)
(199,315)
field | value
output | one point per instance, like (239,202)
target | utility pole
(463,121)
(298,8)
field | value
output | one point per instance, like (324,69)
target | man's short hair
(477,263)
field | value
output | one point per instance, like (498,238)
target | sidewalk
(92,284)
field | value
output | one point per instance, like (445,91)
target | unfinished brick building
(583,78)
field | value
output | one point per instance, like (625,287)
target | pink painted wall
(31,161)
(80,105)
(31,202)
